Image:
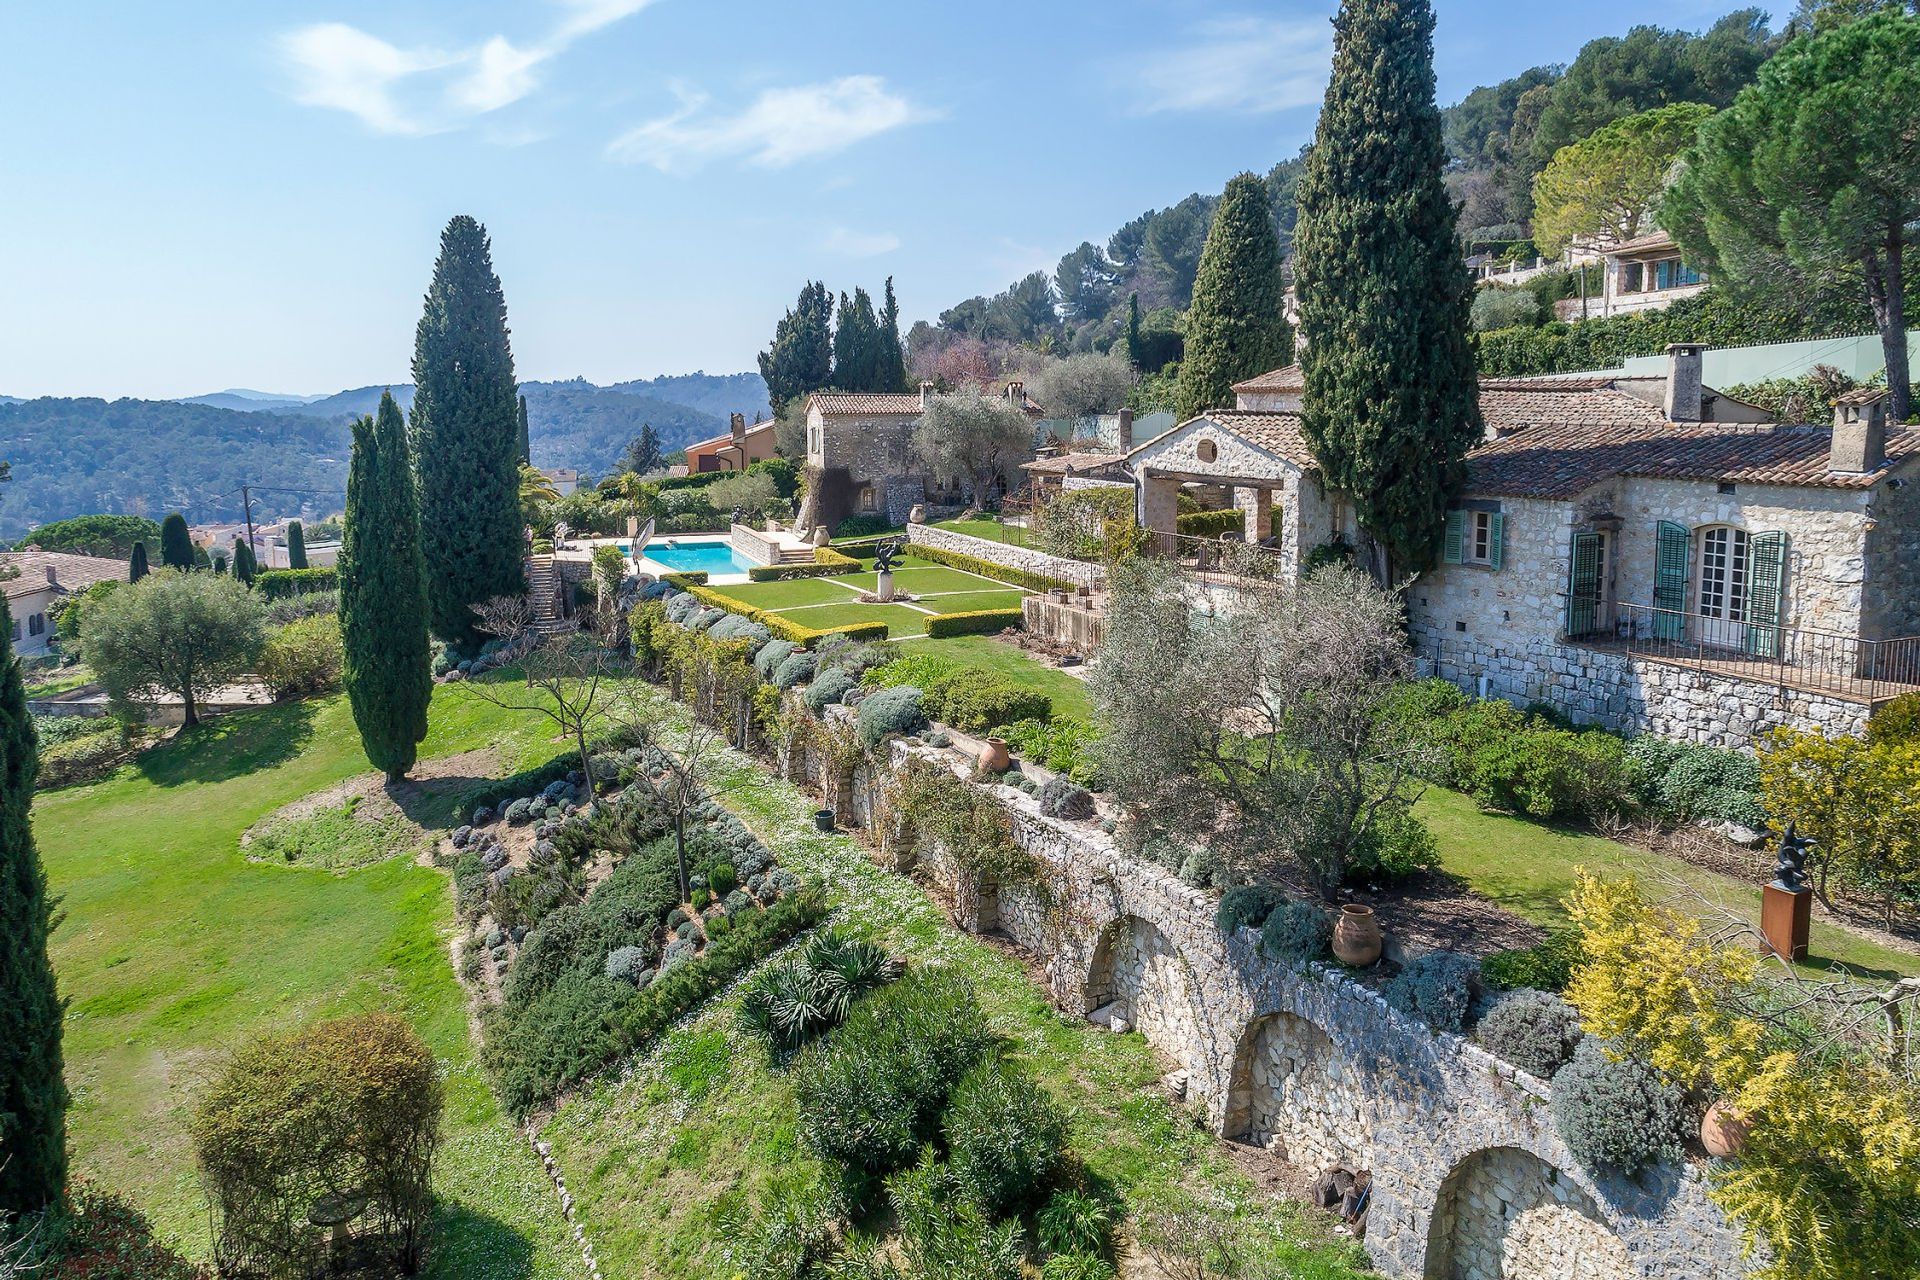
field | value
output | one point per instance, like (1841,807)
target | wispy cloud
(848,243)
(422,90)
(777,128)
(1247,65)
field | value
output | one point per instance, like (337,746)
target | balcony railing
(1226,560)
(1791,657)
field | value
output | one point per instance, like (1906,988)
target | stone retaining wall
(1471,1179)
(1078,572)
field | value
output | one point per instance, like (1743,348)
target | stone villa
(43,577)
(1642,553)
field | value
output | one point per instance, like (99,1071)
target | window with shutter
(1673,548)
(1766,593)
(1583,586)
(1453,548)
(1496,539)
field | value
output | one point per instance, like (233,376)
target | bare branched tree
(1249,717)
(692,759)
(569,677)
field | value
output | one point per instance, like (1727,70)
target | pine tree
(644,454)
(137,562)
(383,599)
(296,545)
(893,355)
(1391,404)
(244,564)
(801,357)
(525,440)
(33,1093)
(1237,326)
(176,544)
(465,436)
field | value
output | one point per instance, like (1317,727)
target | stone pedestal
(1786,918)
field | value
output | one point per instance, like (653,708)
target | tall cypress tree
(244,564)
(1391,405)
(33,1093)
(296,545)
(466,437)
(137,562)
(176,544)
(801,357)
(857,354)
(1133,330)
(1237,326)
(525,443)
(383,597)
(893,355)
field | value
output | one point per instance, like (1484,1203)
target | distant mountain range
(73,456)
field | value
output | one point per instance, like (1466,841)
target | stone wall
(1078,572)
(1471,1181)
(1890,601)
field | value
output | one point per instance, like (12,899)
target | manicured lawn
(52,680)
(930,579)
(900,620)
(1528,869)
(964,601)
(1069,693)
(991,530)
(789,593)
(176,949)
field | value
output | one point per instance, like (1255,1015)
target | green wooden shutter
(1673,550)
(1455,548)
(1766,593)
(1583,586)
(1497,540)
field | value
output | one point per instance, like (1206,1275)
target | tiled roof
(856,402)
(1287,379)
(1277,433)
(1514,405)
(1654,240)
(727,436)
(1078,463)
(71,572)
(1562,461)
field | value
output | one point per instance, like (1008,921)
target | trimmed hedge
(686,581)
(973,622)
(827,563)
(781,628)
(990,569)
(278,584)
(1211,524)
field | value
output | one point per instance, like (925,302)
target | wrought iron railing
(1226,560)
(1822,661)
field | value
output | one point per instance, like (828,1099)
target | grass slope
(1069,693)
(702,1122)
(175,948)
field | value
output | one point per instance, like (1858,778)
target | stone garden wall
(1078,572)
(1471,1180)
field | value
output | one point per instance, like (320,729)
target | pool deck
(583,549)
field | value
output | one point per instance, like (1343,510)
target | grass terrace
(990,529)
(835,601)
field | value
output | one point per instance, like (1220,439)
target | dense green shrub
(1545,966)
(1211,524)
(1066,800)
(828,687)
(771,655)
(917,668)
(787,1004)
(871,1093)
(1246,905)
(1895,721)
(861,526)
(1005,1137)
(1534,1030)
(1503,307)
(1064,744)
(1398,845)
(1076,1222)
(973,622)
(278,584)
(974,700)
(1686,782)
(1297,933)
(303,657)
(795,668)
(888,712)
(1076,1266)
(1615,1111)
(944,1233)
(1436,987)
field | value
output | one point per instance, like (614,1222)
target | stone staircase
(546,591)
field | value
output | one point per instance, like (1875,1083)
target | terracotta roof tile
(857,402)
(71,572)
(1078,463)
(1510,405)
(1287,379)
(1277,433)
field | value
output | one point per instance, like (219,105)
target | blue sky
(197,196)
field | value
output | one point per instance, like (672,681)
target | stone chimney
(1684,381)
(1017,394)
(1123,432)
(926,393)
(1859,432)
(53,576)
(739,426)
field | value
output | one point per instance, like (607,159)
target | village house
(37,579)
(738,449)
(860,455)
(1642,274)
(1641,553)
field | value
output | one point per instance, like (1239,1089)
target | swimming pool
(696,557)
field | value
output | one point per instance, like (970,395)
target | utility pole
(246,501)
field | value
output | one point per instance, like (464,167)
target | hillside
(718,394)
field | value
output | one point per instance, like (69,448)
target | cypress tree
(801,357)
(137,562)
(1133,330)
(893,355)
(1237,326)
(858,361)
(33,1093)
(1391,405)
(219,562)
(296,545)
(466,436)
(243,561)
(525,441)
(383,599)
(176,544)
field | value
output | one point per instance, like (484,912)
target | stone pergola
(1261,457)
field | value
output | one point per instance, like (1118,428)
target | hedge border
(284,584)
(973,622)
(990,569)
(827,563)
(1211,524)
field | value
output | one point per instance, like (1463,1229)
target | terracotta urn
(994,757)
(1723,1131)
(1356,936)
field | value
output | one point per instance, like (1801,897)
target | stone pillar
(1159,509)
(1257,505)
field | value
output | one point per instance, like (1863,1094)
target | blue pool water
(692,557)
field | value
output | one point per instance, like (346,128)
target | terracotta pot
(1356,936)
(994,756)
(1723,1131)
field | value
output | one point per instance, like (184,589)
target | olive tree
(974,439)
(1251,720)
(173,632)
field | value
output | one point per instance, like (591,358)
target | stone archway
(1503,1213)
(1287,1093)
(1144,977)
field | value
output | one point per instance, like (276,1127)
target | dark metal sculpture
(886,556)
(1790,868)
